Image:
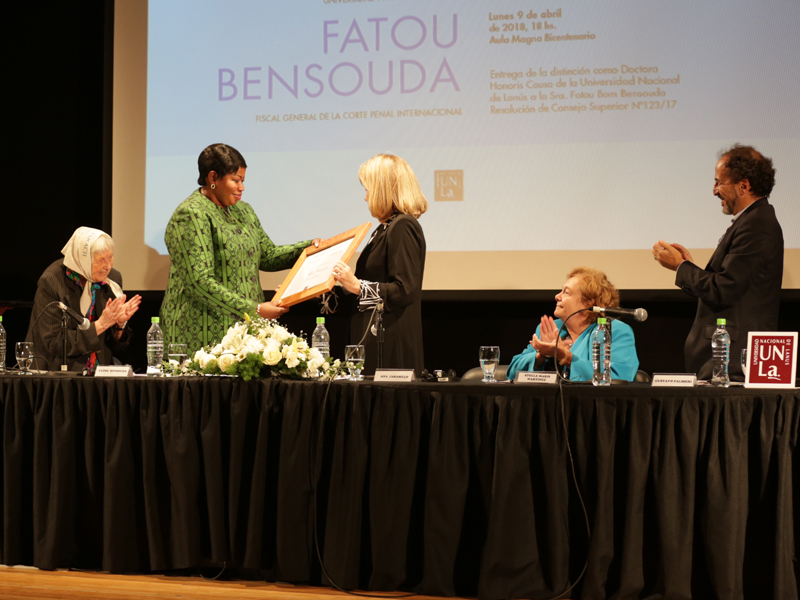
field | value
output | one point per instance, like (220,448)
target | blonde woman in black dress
(391,267)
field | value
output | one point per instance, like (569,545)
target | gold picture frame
(311,275)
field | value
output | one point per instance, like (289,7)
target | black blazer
(394,258)
(741,283)
(54,285)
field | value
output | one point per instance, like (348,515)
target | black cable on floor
(217,576)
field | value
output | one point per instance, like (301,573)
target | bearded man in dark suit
(742,281)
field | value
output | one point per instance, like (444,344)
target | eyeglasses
(103,261)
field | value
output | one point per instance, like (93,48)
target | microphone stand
(380,331)
(558,338)
(64,366)
(64,339)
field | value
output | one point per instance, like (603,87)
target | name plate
(394,375)
(113,371)
(674,380)
(536,377)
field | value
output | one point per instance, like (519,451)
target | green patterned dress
(216,256)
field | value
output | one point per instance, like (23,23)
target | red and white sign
(771,359)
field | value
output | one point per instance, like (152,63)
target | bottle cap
(602,321)
(155,320)
(721,322)
(1,317)
(320,319)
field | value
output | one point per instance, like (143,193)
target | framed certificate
(312,275)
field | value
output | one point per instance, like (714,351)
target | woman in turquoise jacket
(584,288)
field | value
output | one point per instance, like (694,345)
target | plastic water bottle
(720,354)
(155,348)
(601,353)
(2,346)
(321,339)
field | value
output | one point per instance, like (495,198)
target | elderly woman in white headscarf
(86,282)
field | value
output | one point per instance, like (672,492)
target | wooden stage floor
(18,583)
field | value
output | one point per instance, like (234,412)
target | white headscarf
(78,257)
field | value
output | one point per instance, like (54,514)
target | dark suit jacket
(741,283)
(54,285)
(395,258)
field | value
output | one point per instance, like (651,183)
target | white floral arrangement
(258,347)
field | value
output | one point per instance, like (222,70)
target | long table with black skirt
(440,488)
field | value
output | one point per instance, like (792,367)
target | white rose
(207,360)
(280,334)
(217,350)
(272,356)
(225,361)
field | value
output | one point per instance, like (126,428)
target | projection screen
(545,135)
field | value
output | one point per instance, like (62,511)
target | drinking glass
(744,362)
(354,357)
(177,353)
(24,352)
(489,357)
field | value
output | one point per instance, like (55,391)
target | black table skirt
(440,488)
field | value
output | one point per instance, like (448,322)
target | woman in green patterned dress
(217,247)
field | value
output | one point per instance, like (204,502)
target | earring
(213,186)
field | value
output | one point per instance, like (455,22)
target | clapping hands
(670,256)
(117,311)
(546,344)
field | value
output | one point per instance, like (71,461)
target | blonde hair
(391,187)
(596,289)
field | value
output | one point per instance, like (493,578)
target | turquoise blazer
(624,361)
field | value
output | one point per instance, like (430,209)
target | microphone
(374,329)
(639,314)
(83,322)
